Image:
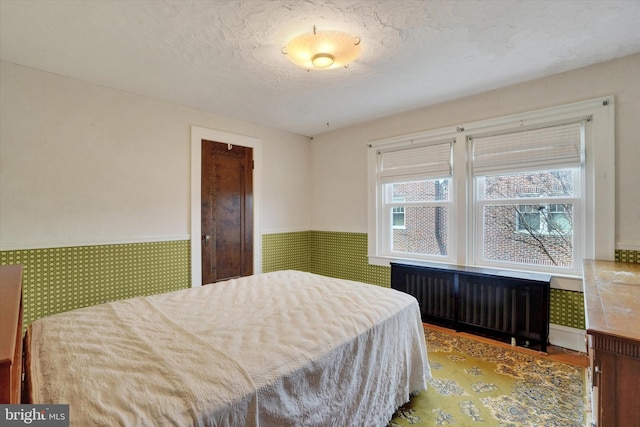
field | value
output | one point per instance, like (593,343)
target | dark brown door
(226,211)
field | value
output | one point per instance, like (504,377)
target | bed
(277,349)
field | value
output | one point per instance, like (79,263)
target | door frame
(197,135)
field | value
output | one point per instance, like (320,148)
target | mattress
(276,349)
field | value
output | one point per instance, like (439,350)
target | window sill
(566,283)
(380,261)
(385,261)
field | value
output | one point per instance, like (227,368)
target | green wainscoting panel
(344,255)
(62,279)
(286,251)
(627,256)
(567,308)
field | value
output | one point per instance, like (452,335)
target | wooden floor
(558,354)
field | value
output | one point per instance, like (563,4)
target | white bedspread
(277,349)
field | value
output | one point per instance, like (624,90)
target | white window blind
(555,146)
(430,161)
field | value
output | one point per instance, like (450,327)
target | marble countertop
(612,298)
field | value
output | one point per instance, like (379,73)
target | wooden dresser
(10,334)
(612,308)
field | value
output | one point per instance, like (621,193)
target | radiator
(510,306)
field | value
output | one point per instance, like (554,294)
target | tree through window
(528,217)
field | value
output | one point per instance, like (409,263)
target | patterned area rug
(478,384)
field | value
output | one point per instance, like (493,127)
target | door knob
(206,237)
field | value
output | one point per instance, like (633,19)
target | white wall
(338,158)
(84,164)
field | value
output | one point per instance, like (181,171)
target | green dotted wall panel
(567,308)
(627,256)
(344,255)
(62,279)
(286,251)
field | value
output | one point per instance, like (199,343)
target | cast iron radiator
(510,306)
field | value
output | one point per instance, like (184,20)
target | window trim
(598,177)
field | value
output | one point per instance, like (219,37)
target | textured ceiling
(225,56)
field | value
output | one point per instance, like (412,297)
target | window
(527,218)
(398,218)
(413,189)
(524,209)
(425,212)
(544,219)
(527,198)
(397,213)
(521,227)
(558,220)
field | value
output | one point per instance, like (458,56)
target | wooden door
(226,211)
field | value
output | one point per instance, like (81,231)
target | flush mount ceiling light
(323,50)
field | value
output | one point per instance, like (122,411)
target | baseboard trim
(571,338)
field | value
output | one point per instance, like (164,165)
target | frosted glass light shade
(323,50)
